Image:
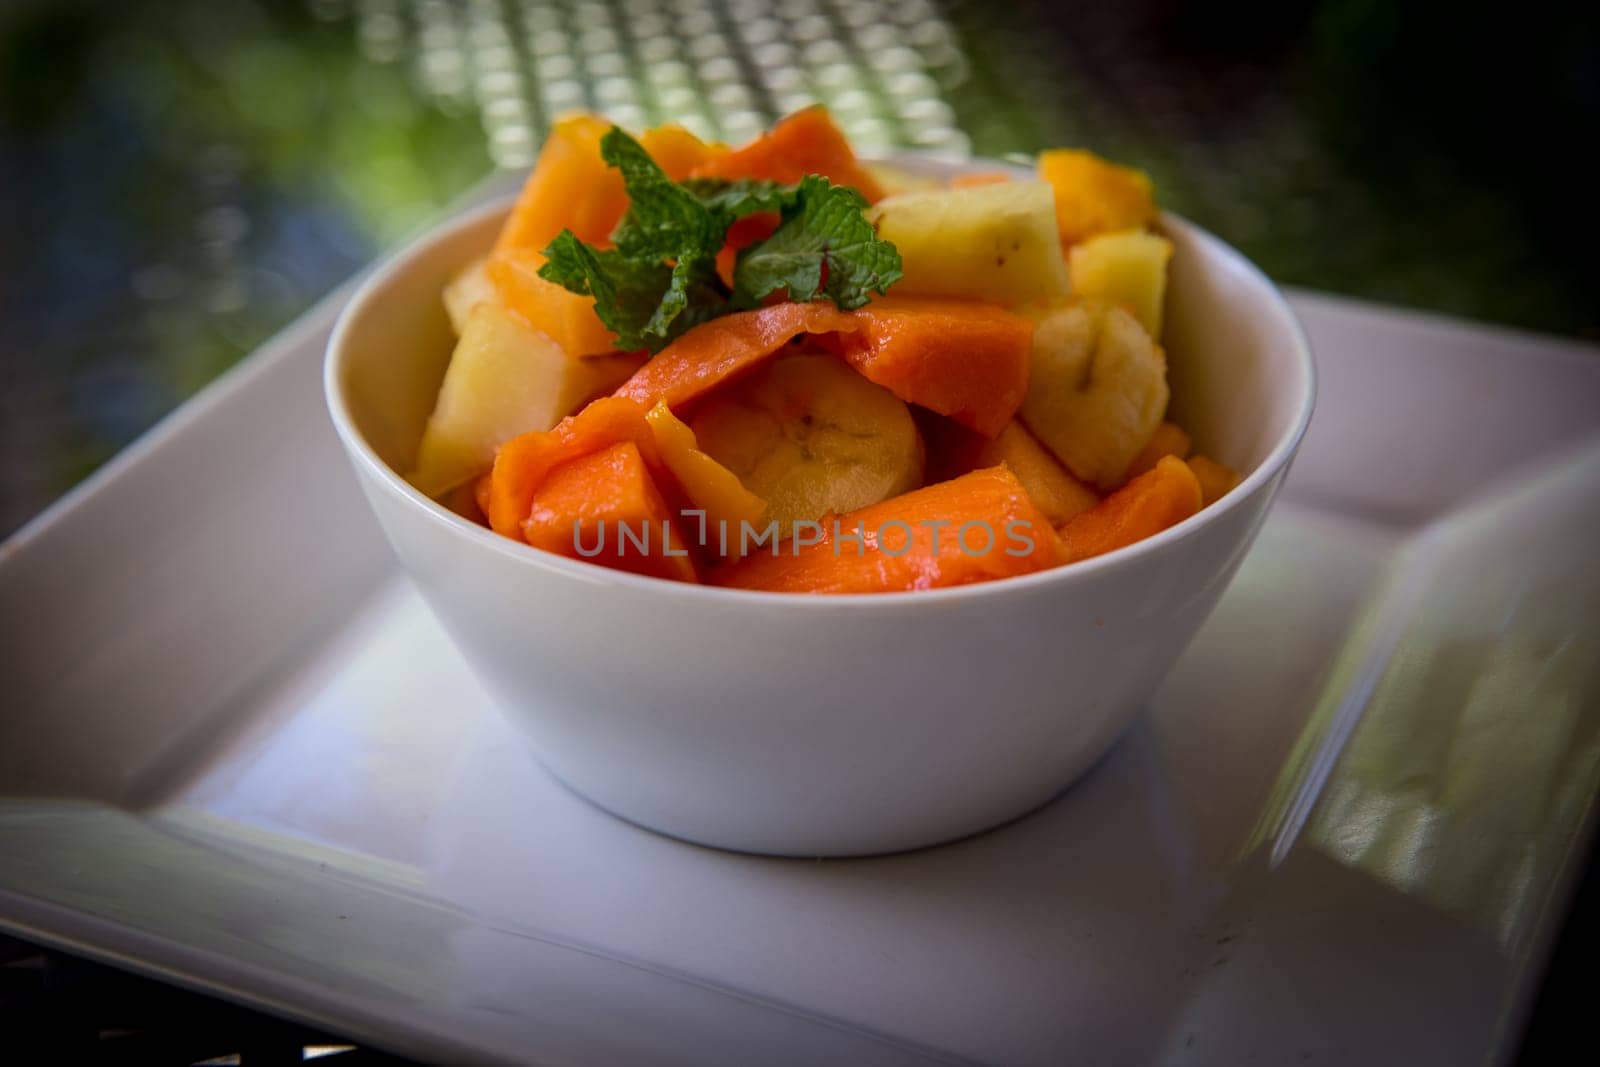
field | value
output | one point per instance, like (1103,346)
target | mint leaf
(660,277)
(629,294)
(664,220)
(694,294)
(734,200)
(824,247)
(645,302)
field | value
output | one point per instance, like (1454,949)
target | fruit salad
(779,367)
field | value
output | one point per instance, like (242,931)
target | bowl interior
(1241,380)
(1237,363)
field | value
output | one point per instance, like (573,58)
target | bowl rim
(390,269)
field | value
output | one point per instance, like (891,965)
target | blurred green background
(181,177)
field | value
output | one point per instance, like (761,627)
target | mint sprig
(824,247)
(659,278)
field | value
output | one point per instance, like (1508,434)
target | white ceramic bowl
(810,726)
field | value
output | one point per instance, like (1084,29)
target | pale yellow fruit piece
(1050,486)
(992,242)
(505,378)
(1097,388)
(466,290)
(810,436)
(894,180)
(1094,195)
(1129,268)
(709,485)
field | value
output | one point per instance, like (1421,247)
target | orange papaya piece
(806,142)
(975,528)
(570,188)
(1216,480)
(677,151)
(604,508)
(1094,195)
(523,463)
(710,353)
(567,318)
(1161,497)
(708,485)
(963,359)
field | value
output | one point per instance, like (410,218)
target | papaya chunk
(1161,497)
(975,528)
(677,151)
(570,187)
(567,318)
(1216,480)
(806,142)
(712,352)
(604,507)
(709,486)
(1094,195)
(523,463)
(967,360)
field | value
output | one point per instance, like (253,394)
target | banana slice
(1097,389)
(811,436)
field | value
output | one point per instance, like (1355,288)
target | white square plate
(237,752)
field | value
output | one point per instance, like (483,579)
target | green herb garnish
(824,247)
(660,278)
